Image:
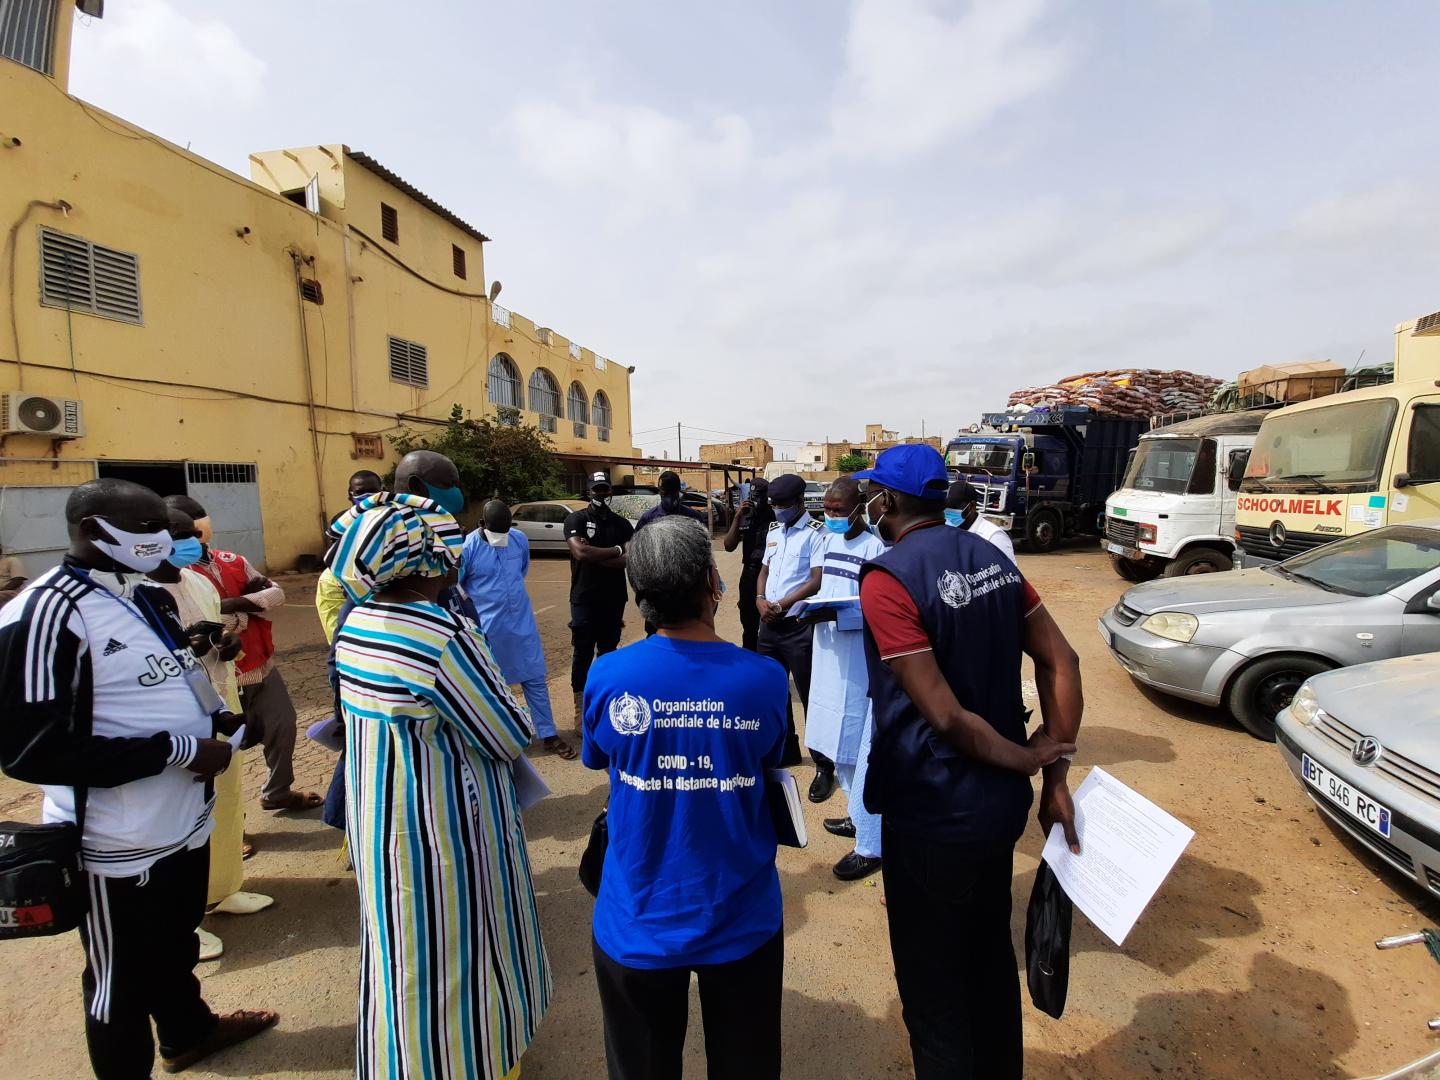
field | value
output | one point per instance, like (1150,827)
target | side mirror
(1028,461)
(1239,459)
(1432,603)
(1402,480)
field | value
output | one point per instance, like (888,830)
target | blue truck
(1044,475)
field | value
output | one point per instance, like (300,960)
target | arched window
(504,383)
(577,408)
(600,412)
(545,398)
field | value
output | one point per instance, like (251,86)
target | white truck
(1175,513)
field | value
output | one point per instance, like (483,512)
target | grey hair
(669,563)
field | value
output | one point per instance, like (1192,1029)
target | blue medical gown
(494,578)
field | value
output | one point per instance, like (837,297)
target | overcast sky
(797,218)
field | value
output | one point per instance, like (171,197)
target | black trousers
(749,613)
(140,957)
(949,914)
(646,1012)
(594,631)
(789,641)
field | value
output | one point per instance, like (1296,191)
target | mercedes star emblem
(1278,535)
(1367,751)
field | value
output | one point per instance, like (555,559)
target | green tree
(498,458)
(851,462)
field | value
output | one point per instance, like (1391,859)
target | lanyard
(195,676)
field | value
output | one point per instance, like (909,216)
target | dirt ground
(1256,959)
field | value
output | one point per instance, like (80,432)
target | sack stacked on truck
(1134,393)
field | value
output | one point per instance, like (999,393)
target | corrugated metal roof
(1227,423)
(415,193)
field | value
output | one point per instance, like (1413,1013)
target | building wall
(1416,357)
(753,451)
(230,365)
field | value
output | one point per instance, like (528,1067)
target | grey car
(1248,639)
(542,522)
(1363,743)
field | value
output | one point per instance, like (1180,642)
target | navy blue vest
(971,601)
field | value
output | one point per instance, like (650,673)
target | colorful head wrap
(388,536)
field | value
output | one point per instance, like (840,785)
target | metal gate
(32,526)
(231,494)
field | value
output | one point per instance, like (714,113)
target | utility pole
(679,448)
(922,430)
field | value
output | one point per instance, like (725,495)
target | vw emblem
(1278,535)
(1367,751)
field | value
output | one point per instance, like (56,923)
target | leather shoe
(854,866)
(840,826)
(823,786)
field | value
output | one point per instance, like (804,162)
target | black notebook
(783,795)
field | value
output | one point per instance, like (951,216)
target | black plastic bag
(1047,942)
(592,862)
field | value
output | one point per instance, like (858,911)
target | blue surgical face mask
(185,552)
(840,526)
(449,499)
(955,518)
(790,516)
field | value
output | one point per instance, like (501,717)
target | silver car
(543,522)
(1363,743)
(1247,640)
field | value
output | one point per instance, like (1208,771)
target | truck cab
(1340,465)
(1175,512)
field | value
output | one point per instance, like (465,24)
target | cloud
(1364,217)
(632,148)
(915,79)
(156,44)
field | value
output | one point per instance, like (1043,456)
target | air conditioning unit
(33,414)
(1429,326)
(545,334)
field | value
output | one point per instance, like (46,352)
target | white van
(1175,513)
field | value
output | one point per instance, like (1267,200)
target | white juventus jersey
(67,638)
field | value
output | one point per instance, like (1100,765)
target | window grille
(88,277)
(409,363)
(219,472)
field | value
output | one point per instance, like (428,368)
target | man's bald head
(128,505)
(421,467)
(496,516)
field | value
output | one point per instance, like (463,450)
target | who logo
(630,715)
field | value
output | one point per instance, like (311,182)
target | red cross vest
(257,640)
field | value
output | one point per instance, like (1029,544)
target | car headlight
(1145,534)
(1175,625)
(1305,707)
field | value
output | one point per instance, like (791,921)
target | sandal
(247,849)
(229,1029)
(295,800)
(560,748)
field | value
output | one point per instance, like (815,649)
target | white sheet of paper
(1127,847)
(236,739)
(530,786)
(1400,503)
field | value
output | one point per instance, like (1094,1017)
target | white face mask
(496,540)
(141,552)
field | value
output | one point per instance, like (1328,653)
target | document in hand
(530,786)
(783,795)
(1127,847)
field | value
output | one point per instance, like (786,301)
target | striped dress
(453,974)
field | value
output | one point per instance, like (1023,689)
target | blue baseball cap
(913,468)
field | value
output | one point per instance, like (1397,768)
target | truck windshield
(981,457)
(1163,465)
(1336,448)
(1368,564)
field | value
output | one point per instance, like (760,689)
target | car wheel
(1042,530)
(1266,687)
(1198,561)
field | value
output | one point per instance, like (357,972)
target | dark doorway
(161,477)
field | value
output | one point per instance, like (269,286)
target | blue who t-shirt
(686,730)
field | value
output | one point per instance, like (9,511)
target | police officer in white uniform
(785,579)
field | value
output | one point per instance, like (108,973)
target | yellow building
(253,341)
(754,452)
